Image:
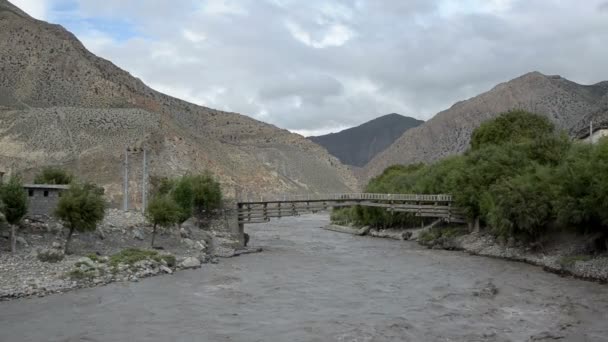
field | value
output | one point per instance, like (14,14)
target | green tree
(14,206)
(521,206)
(80,208)
(511,127)
(53,175)
(183,195)
(161,185)
(162,211)
(207,195)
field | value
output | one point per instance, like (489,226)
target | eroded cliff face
(569,105)
(62,105)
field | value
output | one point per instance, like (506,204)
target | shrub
(130,256)
(53,175)
(81,208)
(14,205)
(162,211)
(511,127)
(207,194)
(183,194)
(521,206)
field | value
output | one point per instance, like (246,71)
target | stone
(190,262)
(166,269)
(90,264)
(50,255)
(138,234)
(21,241)
(188,242)
(185,233)
(56,245)
(200,245)
(100,234)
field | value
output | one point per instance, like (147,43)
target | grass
(130,256)
(431,235)
(78,274)
(569,261)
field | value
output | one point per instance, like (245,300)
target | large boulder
(190,262)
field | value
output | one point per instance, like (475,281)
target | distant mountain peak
(357,145)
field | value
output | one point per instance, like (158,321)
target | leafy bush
(521,205)
(81,208)
(130,256)
(207,194)
(162,211)
(512,127)
(14,205)
(53,175)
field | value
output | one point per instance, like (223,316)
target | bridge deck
(422,205)
(348,196)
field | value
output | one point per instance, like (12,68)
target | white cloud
(195,37)
(335,35)
(223,7)
(35,8)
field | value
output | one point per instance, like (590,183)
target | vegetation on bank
(176,200)
(13,206)
(81,208)
(521,178)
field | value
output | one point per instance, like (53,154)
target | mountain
(358,145)
(62,105)
(567,104)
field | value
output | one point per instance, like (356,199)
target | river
(316,285)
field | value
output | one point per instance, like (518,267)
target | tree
(14,201)
(521,206)
(53,175)
(183,194)
(81,208)
(162,211)
(207,195)
(511,127)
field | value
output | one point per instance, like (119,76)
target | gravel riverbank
(40,267)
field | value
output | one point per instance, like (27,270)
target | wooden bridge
(263,209)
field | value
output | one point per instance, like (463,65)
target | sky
(315,66)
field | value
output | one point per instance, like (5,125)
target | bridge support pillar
(237,229)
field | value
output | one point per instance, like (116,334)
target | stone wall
(42,202)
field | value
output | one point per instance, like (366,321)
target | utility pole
(591,132)
(125,196)
(143,183)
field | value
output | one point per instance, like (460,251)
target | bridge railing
(349,196)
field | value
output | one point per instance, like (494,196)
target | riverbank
(580,256)
(119,250)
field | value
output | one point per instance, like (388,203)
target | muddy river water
(316,285)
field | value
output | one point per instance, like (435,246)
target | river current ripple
(316,285)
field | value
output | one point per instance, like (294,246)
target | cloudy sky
(316,66)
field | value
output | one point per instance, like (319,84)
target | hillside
(62,105)
(567,104)
(358,145)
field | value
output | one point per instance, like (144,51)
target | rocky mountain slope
(569,105)
(62,105)
(358,145)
